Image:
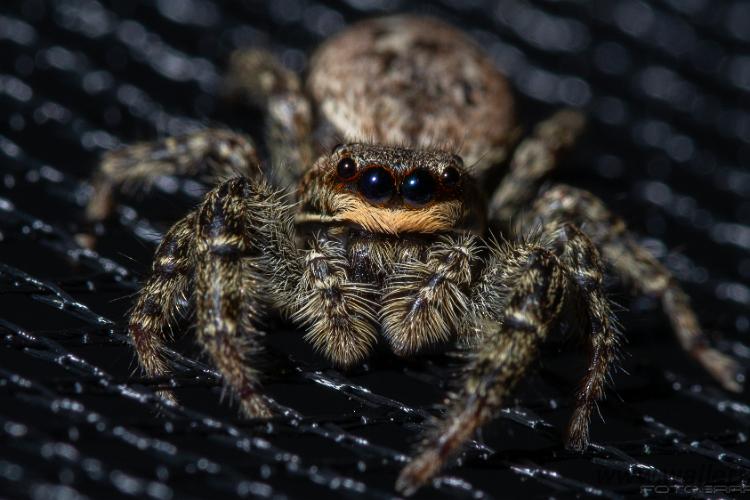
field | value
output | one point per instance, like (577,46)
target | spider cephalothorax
(389,237)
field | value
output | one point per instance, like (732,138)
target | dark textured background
(667,87)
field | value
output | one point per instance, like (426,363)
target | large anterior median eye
(418,187)
(376,184)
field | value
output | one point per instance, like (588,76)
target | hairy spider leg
(534,158)
(258,78)
(159,299)
(218,153)
(516,302)
(228,292)
(635,265)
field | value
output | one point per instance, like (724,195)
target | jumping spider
(389,235)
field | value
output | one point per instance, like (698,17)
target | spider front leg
(258,78)
(229,290)
(229,246)
(637,266)
(516,302)
(219,153)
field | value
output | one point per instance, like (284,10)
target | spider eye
(450,176)
(418,187)
(346,169)
(376,184)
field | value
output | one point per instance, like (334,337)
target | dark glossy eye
(376,184)
(450,176)
(346,169)
(418,187)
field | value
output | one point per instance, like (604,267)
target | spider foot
(577,435)
(421,469)
(253,405)
(167,396)
(725,369)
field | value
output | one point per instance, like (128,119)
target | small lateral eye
(450,176)
(418,187)
(346,169)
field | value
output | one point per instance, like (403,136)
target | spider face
(396,178)
(392,190)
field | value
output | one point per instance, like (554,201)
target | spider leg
(532,160)
(228,294)
(258,78)
(237,245)
(159,298)
(584,266)
(516,302)
(508,347)
(220,153)
(424,302)
(637,266)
